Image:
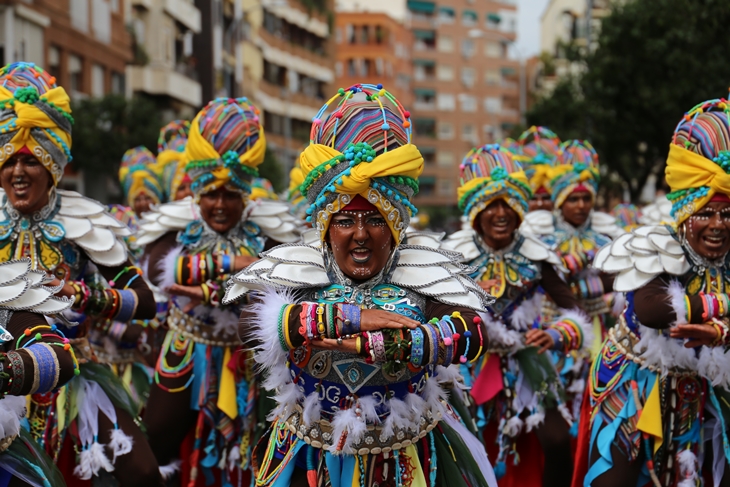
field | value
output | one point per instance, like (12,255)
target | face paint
(361,243)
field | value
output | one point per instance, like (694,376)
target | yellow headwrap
(687,170)
(371,180)
(210,170)
(577,163)
(42,121)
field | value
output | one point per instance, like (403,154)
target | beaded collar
(245,238)
(508,266)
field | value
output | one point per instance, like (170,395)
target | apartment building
(83,43)
(465,86)
(373,47)
(287,68)
(163,66)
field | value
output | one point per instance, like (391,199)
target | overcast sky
(528,25)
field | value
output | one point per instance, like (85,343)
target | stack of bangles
(587,287)
(117,304)
(211,293)
(714,305)
(342,322)
(198,268)
(567,335)
(574,263)
(722,329)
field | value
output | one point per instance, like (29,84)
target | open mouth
(20,188)
(714,241)
(361,255)
(220,217)
(500,225)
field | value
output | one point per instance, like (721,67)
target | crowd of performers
(211,332)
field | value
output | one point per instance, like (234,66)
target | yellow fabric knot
(688,170)
(489,190)
(29,116)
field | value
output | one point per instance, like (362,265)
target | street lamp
(478,33)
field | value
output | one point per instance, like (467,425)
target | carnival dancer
(537,148)
(35,357)
(512,266)
(203,385)
(170,166)
(354,332)
(650,389)
(75,240)
(627,216)
(575,231)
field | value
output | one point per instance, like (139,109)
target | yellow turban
(210,169)
(42,117)
(380,179)
(694,180)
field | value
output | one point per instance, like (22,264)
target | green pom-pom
(38,336)
(27,95)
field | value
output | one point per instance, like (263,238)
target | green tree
(104,128)
(272,170)
(655,60)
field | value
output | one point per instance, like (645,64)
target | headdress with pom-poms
(170,166)
(575,166)
(362,147)
(35,115)
(627,216)
(225,146)
(698,166)
(137,176)
(539,146)
(489,173)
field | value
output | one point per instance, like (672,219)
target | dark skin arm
(653,307)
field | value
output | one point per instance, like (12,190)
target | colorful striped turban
(627,216)
(361,148)
(137,175)
(539,146)
(575,166)
(225,146)
(170,165)
(489,173)
(698,166)
(34,113)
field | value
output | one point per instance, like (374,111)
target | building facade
(163,66)
(465,86)
(373,47)
(287,60)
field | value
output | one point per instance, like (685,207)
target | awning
(424,62)
(492,17)
(424,35)
(507,71)
(428,92)
(421,6)
(448,11)
(470,14)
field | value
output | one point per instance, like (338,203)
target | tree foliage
(272,170)
(104,128)
(655,60)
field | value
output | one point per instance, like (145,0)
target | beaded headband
(35,113)
(362,147)
(489,173)
(698,166)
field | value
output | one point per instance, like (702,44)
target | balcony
(185,12)
(158,80)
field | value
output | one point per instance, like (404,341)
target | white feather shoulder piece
(463,242)
(605,224)
(640,256)
(24,289)
(167,217)
(275,220)
(538,251)
(538,222)
(431,272)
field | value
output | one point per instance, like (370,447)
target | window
(426,185)
(425,98)
(75,73)
(379,35)
(366,66)
(494,49)
(425,127)
(492,77)
(444,73)
(425,40)
(493,20)
(445,44)
(338,35)
(468,134)
(469,18)
(350,33)
(117,83)
(97,80)
(351,68)
(365,35)
(424,69)
(488,133)
(379,70)
(446,102)
(445,158)
(467,48)
(468,77)
(446,15)
(80,15)
(339,70)
(54,62)
(446,131)
(429,155)
(468,103)
(102,20)
(445,187)
(492,104)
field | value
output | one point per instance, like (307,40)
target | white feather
(714,364)
(565,413)
(676,294)
(225,322)
(399,416)
(120,443)
(434,395)
(525,314)
(286,399)
(277,377)
(416,404)
(347,422)
(534,420)
(234,456)
(500,335)
(664,352)
(167,471)
(12,409)
(619,303)
(450,376)
(168,266)
(687,468)
(83,468)
(513,427)
(262,319)
(368,405)
(577,387)
(98,459)
(311,409)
